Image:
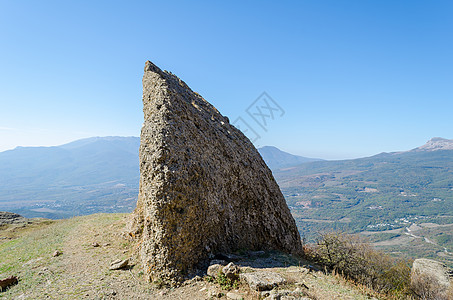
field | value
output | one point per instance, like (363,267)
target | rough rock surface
(11,218)
(262,281)
(436,144)
(434,269)
(204,188)
(214,270)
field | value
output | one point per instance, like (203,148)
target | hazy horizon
(299,154)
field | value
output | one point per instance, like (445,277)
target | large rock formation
(204,189)
(432,275)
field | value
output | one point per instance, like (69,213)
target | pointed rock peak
(149,66)
(204,188)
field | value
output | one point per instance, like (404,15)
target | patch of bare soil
(81,271)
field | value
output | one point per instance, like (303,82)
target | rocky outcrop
(11,218)
(436,144)
(431,279)
(263,280)
(204,188)
(434,270)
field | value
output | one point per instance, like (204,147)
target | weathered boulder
(428,272)
(263,280)
(214,270)
(204,188)
(231,271)
(119,264)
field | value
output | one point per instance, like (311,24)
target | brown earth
(82,270)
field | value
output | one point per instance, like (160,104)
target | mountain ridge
(96,174)
(278,159)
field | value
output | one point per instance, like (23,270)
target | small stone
(234,296)
(214,270)
(231,271)
(203,289)
(261,281)
(95,244)
(57,253)
(215,294)
(119,264)
(106,244)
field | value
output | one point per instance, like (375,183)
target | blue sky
(355,78)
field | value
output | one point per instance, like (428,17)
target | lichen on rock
(204,188)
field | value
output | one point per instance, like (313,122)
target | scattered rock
(57,253)
(119,264)
(7,282)
(215,293)
(231,271)
(11,218)
(262,280)
(196,167)
(95,244)
(214,270)
(106,244)
(285,295)
(234,296)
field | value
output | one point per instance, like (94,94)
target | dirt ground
(82,270)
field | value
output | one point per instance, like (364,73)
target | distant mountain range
(98,174)
(379,195)
(278,159)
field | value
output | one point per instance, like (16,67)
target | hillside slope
(92,175)
(278,159)
(82,270)
(383,194)
(86,176)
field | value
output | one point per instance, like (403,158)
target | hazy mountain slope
(98,174)
(278,159)
(85,176)
(385,192)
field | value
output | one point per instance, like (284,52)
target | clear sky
(355,78)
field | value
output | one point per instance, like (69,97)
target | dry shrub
(354,258)
(426,286)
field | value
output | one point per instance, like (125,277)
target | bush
(354,258)
(426,286)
